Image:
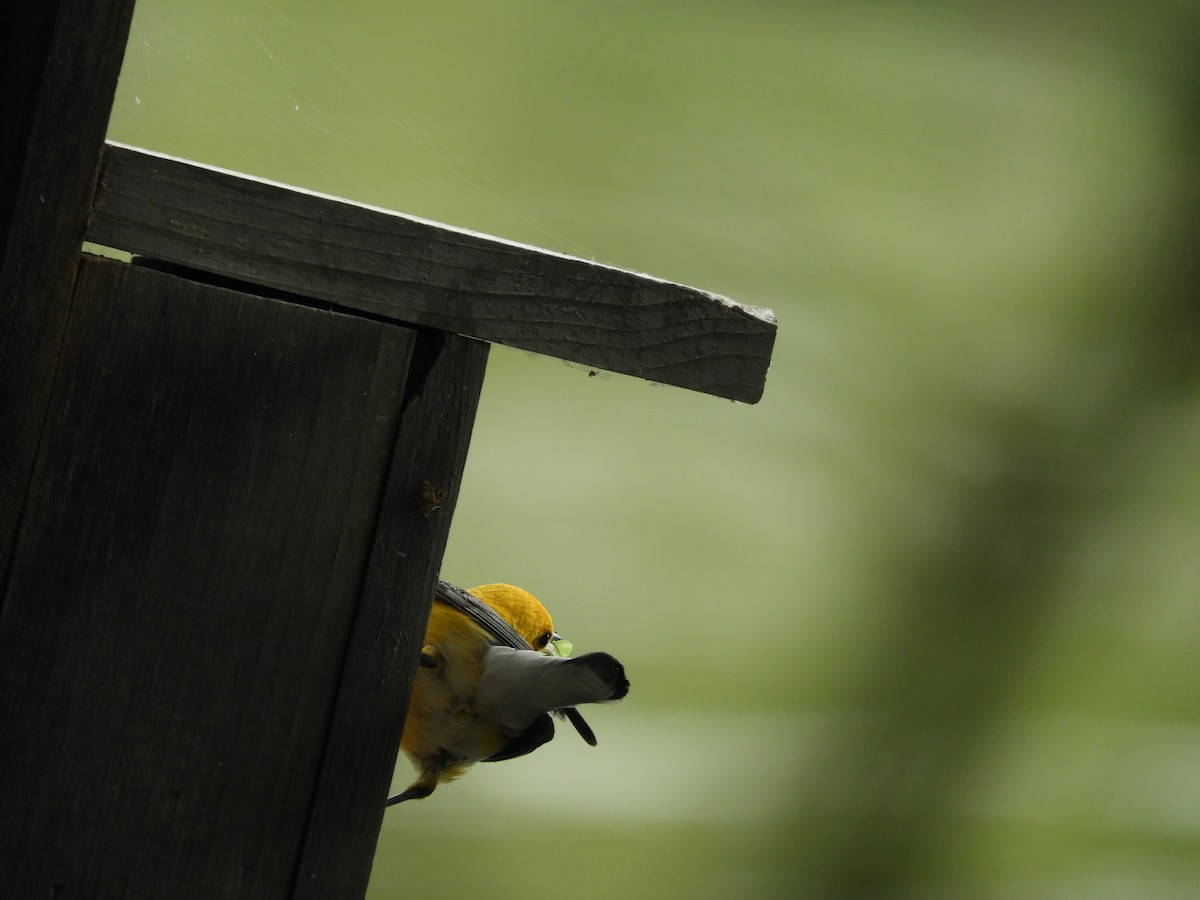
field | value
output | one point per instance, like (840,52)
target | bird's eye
(542,641)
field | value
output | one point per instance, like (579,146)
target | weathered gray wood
(185,590)
(439,409)
(59,60)
(413,271)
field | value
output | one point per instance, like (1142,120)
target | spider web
(351,101)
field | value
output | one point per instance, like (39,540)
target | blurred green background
(925,621)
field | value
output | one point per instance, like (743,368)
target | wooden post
(61,60)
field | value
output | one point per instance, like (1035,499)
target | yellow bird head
(521,610)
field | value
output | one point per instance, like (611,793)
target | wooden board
(59,60)
(439,409)
(413,271)
(186,587)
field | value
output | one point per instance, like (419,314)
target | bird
(492,669)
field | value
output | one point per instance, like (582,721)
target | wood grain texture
(440,401)
(185,587)
(59,60)
(413,271)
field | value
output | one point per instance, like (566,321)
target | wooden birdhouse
(217,468)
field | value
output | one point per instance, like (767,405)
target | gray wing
(480,613)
